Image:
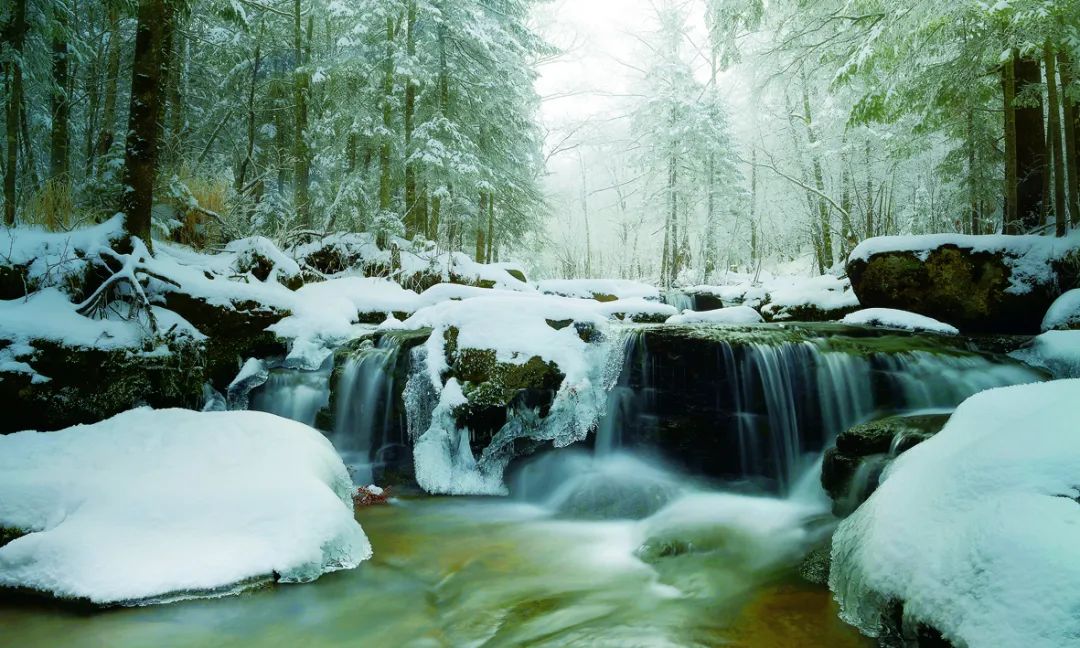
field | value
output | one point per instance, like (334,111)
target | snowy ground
(976,529)
(155,505)
(898,319)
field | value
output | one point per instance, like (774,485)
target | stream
(683,521)
(710,569)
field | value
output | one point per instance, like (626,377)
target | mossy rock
(805,313)
(87,385)
(968,289)
(876,443)
(261,267)
(517,274)
(235,333)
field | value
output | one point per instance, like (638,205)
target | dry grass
(52,207)
(212,193)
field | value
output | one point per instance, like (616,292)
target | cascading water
(678,299)
(294,393)
(369,430)
(763,411)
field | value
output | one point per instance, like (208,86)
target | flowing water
(604,546)
(706,569)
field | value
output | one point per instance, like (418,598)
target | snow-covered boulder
(973,533)
(898,319)
(999,284)
(31,259)
(1064,313)
(158,505)
(817,299)
(732,315)
(1055,351)
(59,367)
(604,290)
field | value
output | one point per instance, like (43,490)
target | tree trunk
(60,141)
(241,176)
(112,84)
(152,40)
(1031,153)
(16,36)
(177,63)
(1054,127)
(973,194)
(387,119)
(301,155)
(1010,223)
(481,244)
(491,229)
(1072,144)
(824,226)
(413,225)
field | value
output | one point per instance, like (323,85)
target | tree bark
(301,154)
(1010,224)
(60,140)
(413,225)
(1072,143)
(1031,153)
(1054,127)
(112,83)
(824,226)
(490,228)
(16,36)
(241,176)
(387,119)
(152,39)
(973,194)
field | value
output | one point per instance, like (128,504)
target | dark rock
(816,565)
(805,313)
(966,288)
(235,333)
(704,301)
(7,534)
(851,470)
(88,385)
(13,281)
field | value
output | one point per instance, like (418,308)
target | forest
(422,119)
(545,323)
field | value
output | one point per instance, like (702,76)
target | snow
(976,529)
(1029,256)
(825,292)
(1056,351)
(50,257)
(590,288)
(155,505)
(730,315)
(1064,313)
(635,308)
(898,319)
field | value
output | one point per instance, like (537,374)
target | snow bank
(730,315)
(1064,313)
(1030,257)
(592,288)
(898,319)
(166,504)
(976,529)
(1056,351)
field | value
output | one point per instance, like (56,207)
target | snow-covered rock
(730,315)
(1055,351)
(31,258)
(974,531)
(1000,284)
(814,299)
(1064,313)
(156,505)
(598,289)
(898,319)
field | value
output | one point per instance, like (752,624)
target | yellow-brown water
(467,572)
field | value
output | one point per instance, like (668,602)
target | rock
(851,469)
(88,385)
(816,565)
(7,534)
(972,288)
(1064,313)
(517,274)
(236,332)
(805,313)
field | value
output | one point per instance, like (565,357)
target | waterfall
(678,299)
(762,412)
(368,429)
(294,393)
